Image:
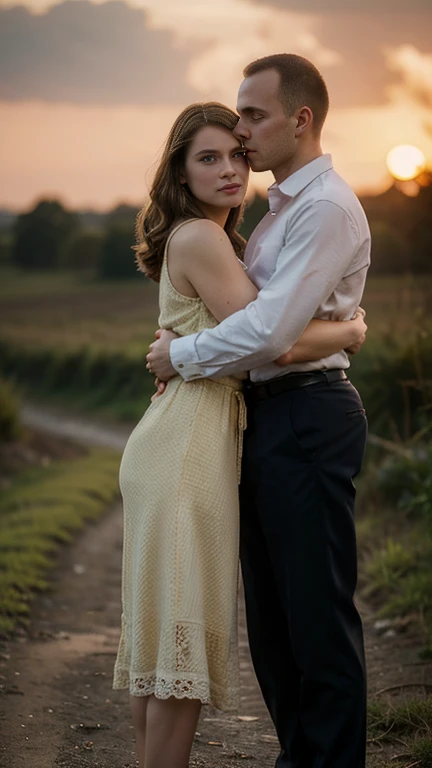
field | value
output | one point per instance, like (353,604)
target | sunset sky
(88,91)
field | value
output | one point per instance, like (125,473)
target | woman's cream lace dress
(179,480)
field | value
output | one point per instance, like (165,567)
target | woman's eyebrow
(207,152)
(237,148)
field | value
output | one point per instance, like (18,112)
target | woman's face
(216,170)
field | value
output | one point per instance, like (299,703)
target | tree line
(51,237)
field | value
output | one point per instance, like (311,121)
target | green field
(85,341)
(65,310)
(68,311)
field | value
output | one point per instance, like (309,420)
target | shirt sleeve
(320,245)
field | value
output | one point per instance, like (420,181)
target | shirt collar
(279,194)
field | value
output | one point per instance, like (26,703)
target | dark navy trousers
(302,449)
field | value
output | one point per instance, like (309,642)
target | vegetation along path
(57,705)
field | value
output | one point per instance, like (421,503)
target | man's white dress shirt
(308,257)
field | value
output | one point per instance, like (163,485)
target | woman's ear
(182,179)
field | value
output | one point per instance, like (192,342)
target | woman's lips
(230,189)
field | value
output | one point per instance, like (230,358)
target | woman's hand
(160,389)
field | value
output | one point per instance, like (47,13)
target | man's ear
(304,121)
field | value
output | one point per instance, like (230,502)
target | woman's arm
(323,338)
(201,261)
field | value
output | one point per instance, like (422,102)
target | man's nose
(240,131)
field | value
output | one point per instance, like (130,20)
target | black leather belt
(265,389)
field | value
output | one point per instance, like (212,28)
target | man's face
(267,132)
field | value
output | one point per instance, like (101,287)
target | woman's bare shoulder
(198,234)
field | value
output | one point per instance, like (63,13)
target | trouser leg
(306,447)
(268,631)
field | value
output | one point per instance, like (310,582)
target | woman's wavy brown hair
(170,201)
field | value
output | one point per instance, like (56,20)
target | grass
(411,718)
(40,511)
(388,565)
(405,730)
(395,534)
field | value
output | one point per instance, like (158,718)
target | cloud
(324,7)
(85,53)
(217,71)
(415,72)
(360,33)
(415,81)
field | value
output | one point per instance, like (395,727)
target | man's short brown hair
(301,85)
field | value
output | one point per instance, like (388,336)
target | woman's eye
(207,158)
(241,153)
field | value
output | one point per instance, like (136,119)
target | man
(306,424)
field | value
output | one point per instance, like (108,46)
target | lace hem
(163,687)
(204,667)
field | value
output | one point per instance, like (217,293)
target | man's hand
(361,329)
(158,359)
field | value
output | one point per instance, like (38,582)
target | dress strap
(179,226)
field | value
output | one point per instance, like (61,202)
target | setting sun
(405,162)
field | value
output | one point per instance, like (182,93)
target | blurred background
(88,92)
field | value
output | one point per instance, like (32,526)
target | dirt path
(58,708)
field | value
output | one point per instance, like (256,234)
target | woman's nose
(227,170)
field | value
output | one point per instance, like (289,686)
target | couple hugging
(253,389)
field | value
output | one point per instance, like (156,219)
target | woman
(180,468)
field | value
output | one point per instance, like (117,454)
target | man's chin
(256,165)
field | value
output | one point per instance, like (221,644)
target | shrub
(113,380)
(387,566)
(399,570)
(116,257)
(395,381)
(255,210)
(41,235)
(83,251)
(9,412)
(390,254)
(5,248)
(407,482)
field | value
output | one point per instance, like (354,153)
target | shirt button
(180,365)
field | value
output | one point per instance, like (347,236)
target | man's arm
(320,246)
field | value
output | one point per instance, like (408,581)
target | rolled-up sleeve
(320,245)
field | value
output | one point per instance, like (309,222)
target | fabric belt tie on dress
(236,385)
(241,426)
(265,389)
